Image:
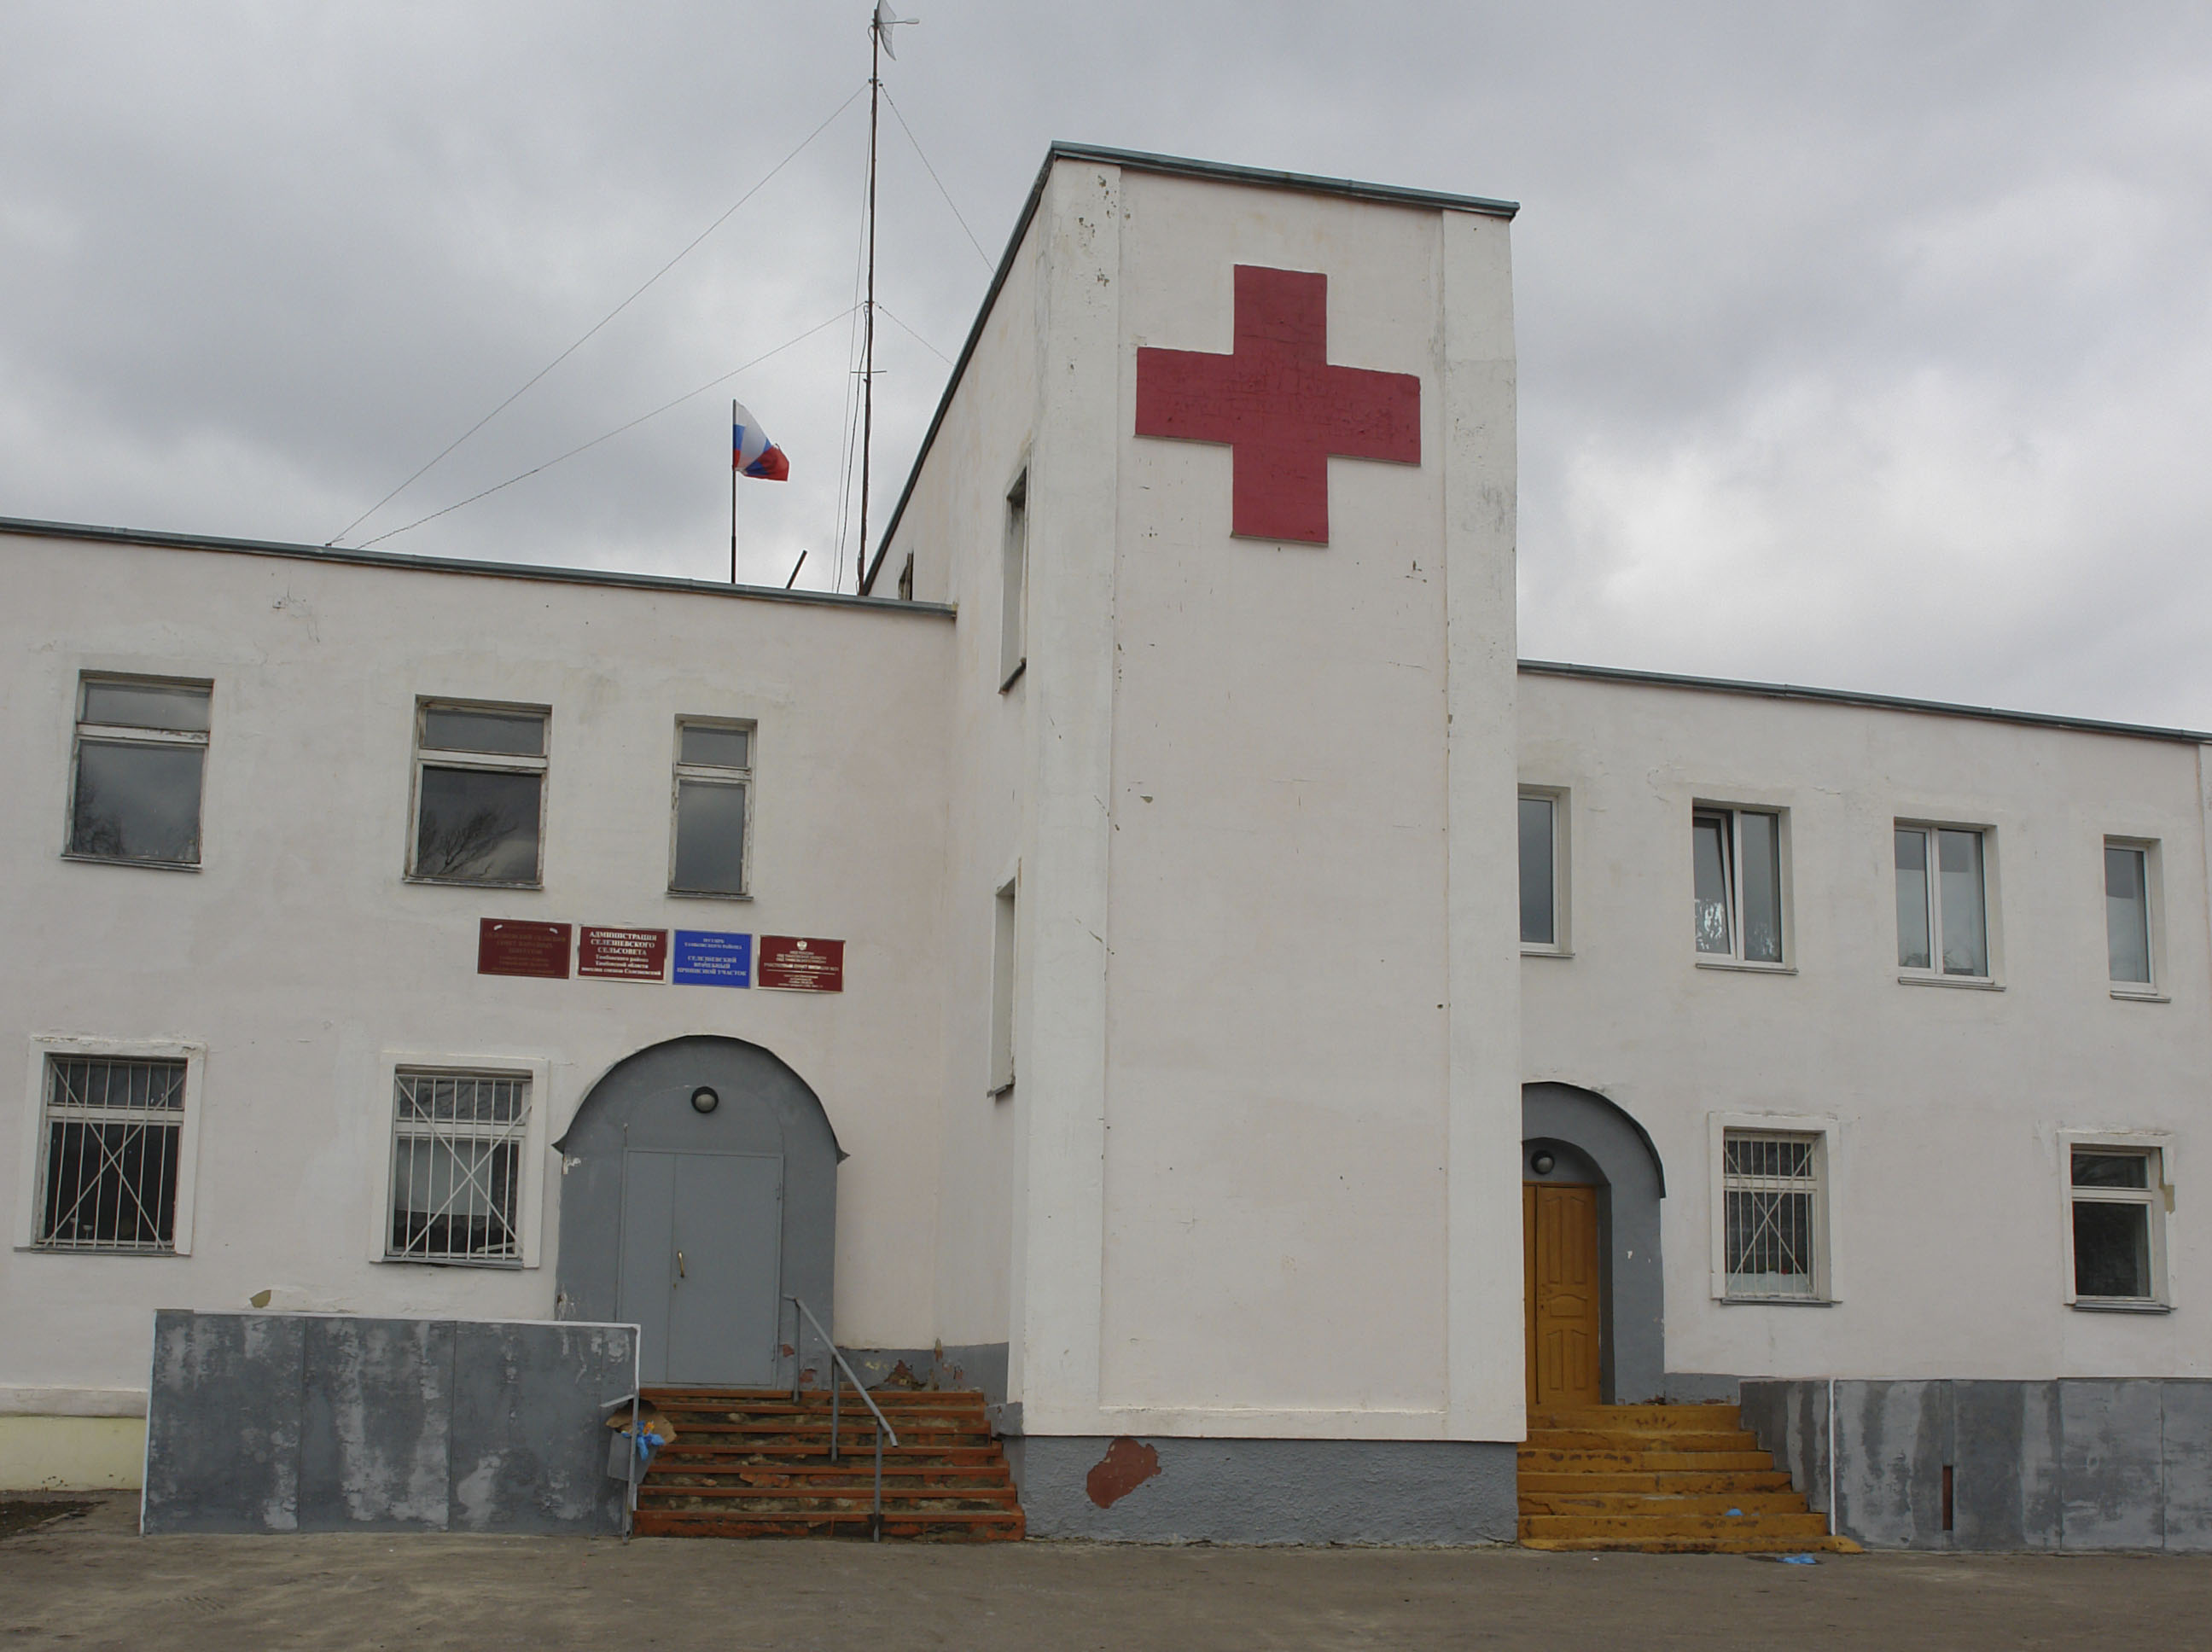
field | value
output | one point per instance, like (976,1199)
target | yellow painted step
(1680,1480)
(1575,1439)
(1649,1526)
(1583,1501)
(1748,1544)
(1539,1460)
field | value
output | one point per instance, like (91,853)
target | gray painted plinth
(1383,1491)
(304,1422)
(2075,1464)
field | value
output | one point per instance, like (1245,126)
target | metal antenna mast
(876,21)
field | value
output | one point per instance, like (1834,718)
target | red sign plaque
(799,963)
(622,954)
(514,947)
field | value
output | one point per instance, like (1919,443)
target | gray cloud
(1865,346)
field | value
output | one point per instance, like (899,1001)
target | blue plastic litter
(1799,1560)
(1737,1514)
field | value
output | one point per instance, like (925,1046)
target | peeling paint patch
(1127,1465)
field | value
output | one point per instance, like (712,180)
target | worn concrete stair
(749,1463)
(1681,1479)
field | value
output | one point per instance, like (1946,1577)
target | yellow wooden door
(1559,1232)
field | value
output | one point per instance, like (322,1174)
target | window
(2127,912)
(1941,902)
(456,1155)
(1736,861)
(141,748)
(2116,1196)
(714,824)
(1002,989)
(1013,587)
(1772,1215)
(112,1132)
(1543,906)
(479,794)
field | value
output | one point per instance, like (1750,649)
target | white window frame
(478,762)
(383,1123)
(1827,1200)
(1785,914)
(32,1159)
(2154,990)
(1562,942)
(743,779)
(131,734)
(1014,582)
(2158,1198)
(1006,978)
(1992,933)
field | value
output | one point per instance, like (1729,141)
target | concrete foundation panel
(1188,1491)
(278,1423)
(2075,1464)
(223,1422)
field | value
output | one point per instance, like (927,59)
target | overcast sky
(1866,346)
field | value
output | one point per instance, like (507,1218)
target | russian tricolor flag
(753,453)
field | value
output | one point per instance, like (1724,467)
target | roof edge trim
(1853,698)
(30,528)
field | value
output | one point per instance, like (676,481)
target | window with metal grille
(112,1130)
(456,1167)
(1770,1189)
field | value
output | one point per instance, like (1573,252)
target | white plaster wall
(298,956)
(1303,1060)
(954,523)
(1946,1221)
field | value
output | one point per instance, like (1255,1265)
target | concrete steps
(1660,1479)
(750,1463)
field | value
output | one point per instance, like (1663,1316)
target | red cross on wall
(1279,406)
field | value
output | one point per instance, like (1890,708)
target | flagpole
(733,496)
(868,317)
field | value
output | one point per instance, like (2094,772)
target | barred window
(456,1165)
(1770,1189)
(112,1130)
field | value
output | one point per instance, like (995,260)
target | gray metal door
(702,1264)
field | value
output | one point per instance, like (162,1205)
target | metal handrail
(838,1363)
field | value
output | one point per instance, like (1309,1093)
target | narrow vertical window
(1540,899)
(1771,1193)
(2117,1196)
(1912,928)
(112,1130)
(1013,587)
(2127,912)
(1736,867)
(1709,849)
(1942,902)
(712,824)
(456,1166)
(479,794)
(141,749)
(1003,933)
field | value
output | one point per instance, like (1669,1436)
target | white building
(1195,1046)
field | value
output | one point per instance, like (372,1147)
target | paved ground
(89,1581)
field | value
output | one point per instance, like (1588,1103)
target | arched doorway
(699,1190)
(1603,1241)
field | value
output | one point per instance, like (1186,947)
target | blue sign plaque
(709,957)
